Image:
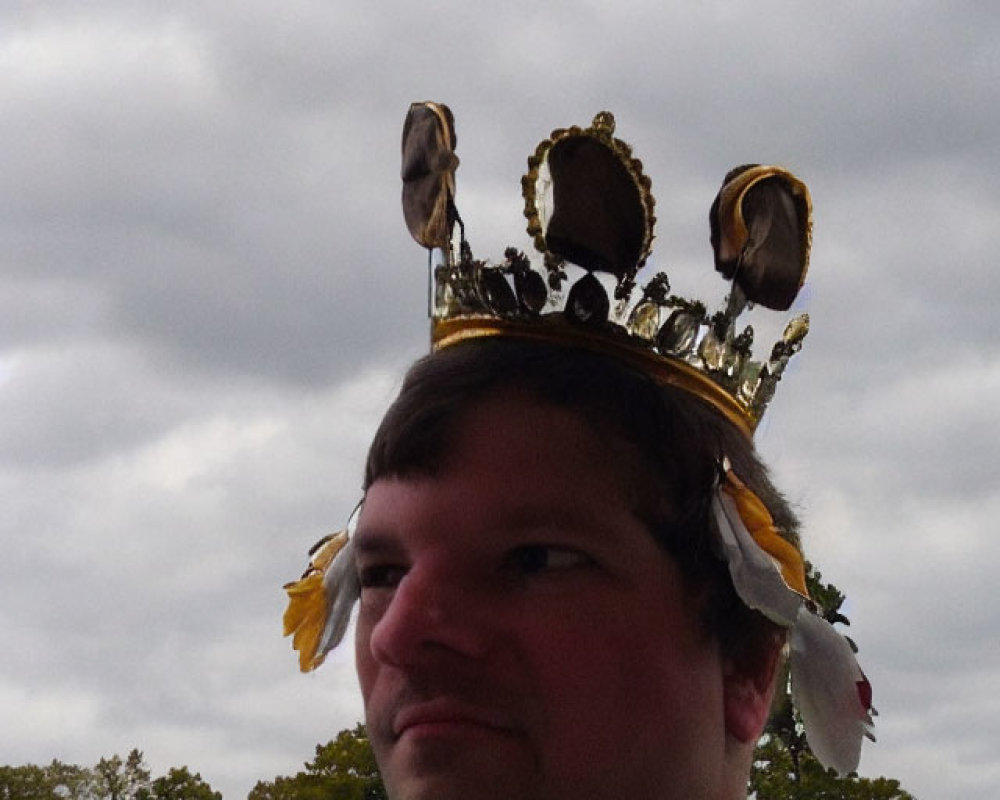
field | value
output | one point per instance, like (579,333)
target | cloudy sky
(208,296)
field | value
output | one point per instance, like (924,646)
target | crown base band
(555,329)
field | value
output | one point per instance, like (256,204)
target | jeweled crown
(589,204)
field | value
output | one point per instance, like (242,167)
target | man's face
(521,635)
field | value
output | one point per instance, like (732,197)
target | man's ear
(747,693)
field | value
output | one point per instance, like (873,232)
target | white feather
(825,674)
(342,590)
(825,688)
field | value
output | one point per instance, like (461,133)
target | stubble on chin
(449,770)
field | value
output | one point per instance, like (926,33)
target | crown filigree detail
(590,213)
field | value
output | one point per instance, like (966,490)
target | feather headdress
(828,687)
(320,602)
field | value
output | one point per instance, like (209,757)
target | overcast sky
(208,296)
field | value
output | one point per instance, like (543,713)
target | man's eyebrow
(374,540)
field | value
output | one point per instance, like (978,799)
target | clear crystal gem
(713,351)
(644,321)
(749,382)
(796,329)
(732,362)
(444,297)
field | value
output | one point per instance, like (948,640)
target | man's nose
(430,616)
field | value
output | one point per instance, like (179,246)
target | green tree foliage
(784,767)
(57,781)
(343,769)
(71,782)
(116,779)
(180,784)
(112,778)
(25,783)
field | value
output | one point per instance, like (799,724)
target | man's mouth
(446,718)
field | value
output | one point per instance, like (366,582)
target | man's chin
(459,787)
(444,764)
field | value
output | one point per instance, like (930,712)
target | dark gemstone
(531,292)
(678,334)
(496,292)
(588,303)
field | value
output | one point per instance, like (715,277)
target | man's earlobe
(748,692)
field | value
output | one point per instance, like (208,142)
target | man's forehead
(391,503)
(513,464)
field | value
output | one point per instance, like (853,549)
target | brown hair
(677,444)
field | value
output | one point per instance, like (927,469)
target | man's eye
(380,576)
(537,558)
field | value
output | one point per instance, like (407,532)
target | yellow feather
(308,604)
(759,523)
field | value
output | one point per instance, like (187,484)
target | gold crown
(589,204)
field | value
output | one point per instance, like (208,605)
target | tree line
(111,778)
